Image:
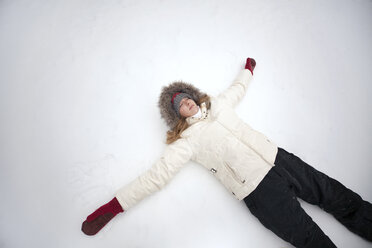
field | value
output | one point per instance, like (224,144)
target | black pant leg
(275,205)
(317,188)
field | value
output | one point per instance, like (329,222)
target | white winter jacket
(237,155)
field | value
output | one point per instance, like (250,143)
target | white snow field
(79,85)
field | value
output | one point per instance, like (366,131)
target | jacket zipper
(243,142)
(235,176)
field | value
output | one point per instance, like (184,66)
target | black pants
(274,202)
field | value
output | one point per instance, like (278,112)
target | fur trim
(167,111)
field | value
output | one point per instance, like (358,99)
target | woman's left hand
(250,64)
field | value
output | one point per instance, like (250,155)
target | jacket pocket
(234,174)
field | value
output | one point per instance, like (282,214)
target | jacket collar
(204,114)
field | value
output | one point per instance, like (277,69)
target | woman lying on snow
(267,178)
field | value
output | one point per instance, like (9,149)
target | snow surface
(79,84)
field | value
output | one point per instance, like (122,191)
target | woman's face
(188,107)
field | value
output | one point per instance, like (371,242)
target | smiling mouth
(191,107)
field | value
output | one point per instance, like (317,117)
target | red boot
(250,64)
(99,218)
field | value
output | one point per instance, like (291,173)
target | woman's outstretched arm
(175,156)
(234,94)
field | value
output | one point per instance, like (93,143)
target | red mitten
(250,64)
(99,218)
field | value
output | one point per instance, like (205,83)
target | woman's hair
(175,133)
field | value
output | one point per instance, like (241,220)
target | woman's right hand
(99,218)
(250,64)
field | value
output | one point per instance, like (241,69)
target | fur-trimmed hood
(167,111)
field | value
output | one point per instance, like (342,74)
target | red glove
(99,218)
(250,64)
